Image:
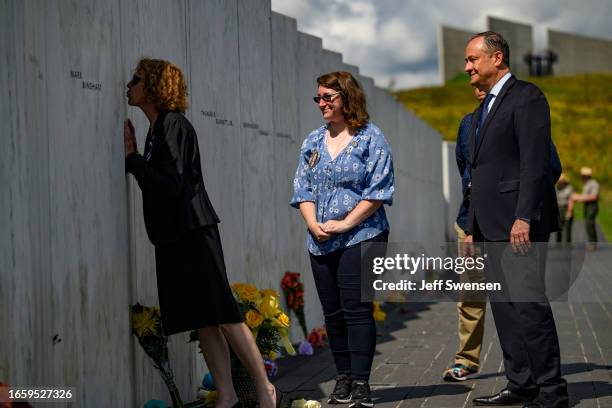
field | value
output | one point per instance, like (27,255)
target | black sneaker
(361,395)
(342,390)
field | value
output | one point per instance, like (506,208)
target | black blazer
(511,164)
(170,177)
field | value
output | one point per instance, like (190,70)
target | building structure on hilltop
(566,53)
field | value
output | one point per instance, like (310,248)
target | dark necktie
(483,116)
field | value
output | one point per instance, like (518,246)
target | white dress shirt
(496,88)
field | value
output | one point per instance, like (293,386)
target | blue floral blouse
(362,171)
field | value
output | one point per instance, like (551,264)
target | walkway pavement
(418,341)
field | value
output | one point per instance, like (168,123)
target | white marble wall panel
(520,40)
(290,229)
(215,107)
(439,224)
(451,51)
(331,61)
(353,69)
(256,130)
(24,195)
(286,141)
(431,203)
(155,29)
(451,187)
(578,54)
(386,113)
(309,68)
(212,36)
(387,122)
(406,191)
(418,168)
(433,150)
(368,86)
(380,117)
(88,228)
(309,49)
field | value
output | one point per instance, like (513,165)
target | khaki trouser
(471,318)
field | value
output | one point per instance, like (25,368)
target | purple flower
(305,349)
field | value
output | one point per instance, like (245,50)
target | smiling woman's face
(135,94)
(331,111)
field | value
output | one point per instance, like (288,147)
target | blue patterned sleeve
(379,180)
(302,188)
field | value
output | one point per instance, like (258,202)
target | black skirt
(192,283)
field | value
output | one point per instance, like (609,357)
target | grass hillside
(581,119)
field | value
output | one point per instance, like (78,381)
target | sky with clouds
(397,39)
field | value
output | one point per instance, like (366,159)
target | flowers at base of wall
(318,337)
(210,397)
(379,314)
(305,349)
(293,289)
(146,326)
(263,315)
(271,367)
(303,403)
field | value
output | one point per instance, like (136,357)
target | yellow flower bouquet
(146,326)
(263,315)
(270,327)
(379,314)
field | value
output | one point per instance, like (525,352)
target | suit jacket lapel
(472,133)
(498,101)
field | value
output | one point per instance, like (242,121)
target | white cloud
(401,41)
(398,38)
(420,79)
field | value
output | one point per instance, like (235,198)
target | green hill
(581,119)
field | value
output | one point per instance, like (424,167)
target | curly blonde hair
(164,84)
(353,98)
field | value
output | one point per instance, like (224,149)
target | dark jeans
(566,226)
(590,212)
(350,325)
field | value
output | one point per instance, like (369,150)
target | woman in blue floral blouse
(343,178)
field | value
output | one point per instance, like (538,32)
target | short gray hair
(495,42)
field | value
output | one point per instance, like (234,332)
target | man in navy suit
(471,308)
(512,201)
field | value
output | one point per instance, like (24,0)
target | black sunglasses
(135,79)
(327,97)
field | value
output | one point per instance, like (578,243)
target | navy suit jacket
(510,167)
(462,156)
